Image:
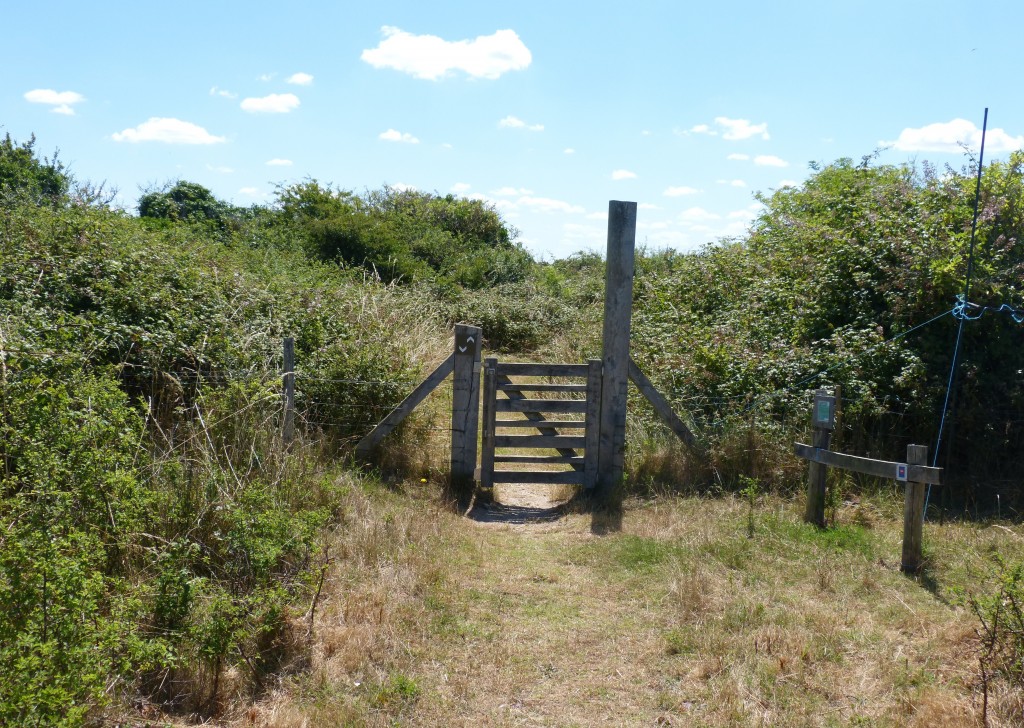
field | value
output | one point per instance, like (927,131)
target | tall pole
(618,311)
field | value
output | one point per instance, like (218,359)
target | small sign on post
(824,411)
(901,472)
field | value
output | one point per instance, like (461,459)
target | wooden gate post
(288,425)
(618,310)
(465,410)
(488,439)
(823,419)
(913,514)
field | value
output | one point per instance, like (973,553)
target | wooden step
(540,405)
(526,369)
(535,459)
(550,441)
(550,477)
(522,387)
(563,424)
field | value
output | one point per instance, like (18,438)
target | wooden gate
(541,422)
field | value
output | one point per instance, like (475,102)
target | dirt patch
(522,504)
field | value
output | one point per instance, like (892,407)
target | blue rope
(960,310)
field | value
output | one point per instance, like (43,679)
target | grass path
(671,617)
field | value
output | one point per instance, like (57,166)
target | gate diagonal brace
(662,407)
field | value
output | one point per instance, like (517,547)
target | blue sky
(546,109)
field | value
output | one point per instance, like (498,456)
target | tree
(185,201)
(23,174)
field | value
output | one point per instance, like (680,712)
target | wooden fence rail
(914,472)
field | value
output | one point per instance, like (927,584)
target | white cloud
(680,191)
(732,182)
(949,136)
(220,170)
(250,192)
(402,187)
(647,206)
(646,132)
(511,191)
(300,79)
(568,150)
(739,157)
(447,145)
(279,163)
(769,160)
(546,204)
(597,216)
(168,131)
(61,101)
(697,214)
(702,129)
(620,174)
(272,104)
(747,213)
(512,122)
(223,93)
(430,57)
(266,77)
(576,231)
(741,128)
(460,187)
(393,135)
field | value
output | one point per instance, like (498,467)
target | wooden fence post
(823,421)
(489,416)
(465,410)
(913,514)
(592,424)
(288,426)
(618,311)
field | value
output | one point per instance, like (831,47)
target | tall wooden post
(618,310)
(823,420)
(465,410)
(913,514)
(288,425)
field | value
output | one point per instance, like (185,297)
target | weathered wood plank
(868,466)
(661,405)
(549,477)
(817,474)
(487,441)
(530,369)
(538,459)
(407,405)
(524,387)
(618,312)
(465,409)
(560,406)
(913,514)
(562,441)
(592,433)
(543,424)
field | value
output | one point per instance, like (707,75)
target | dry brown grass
(677,618)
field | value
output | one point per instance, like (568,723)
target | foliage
(24,175)
(405,235)
(182,201)
(829,288)
(1001,632)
